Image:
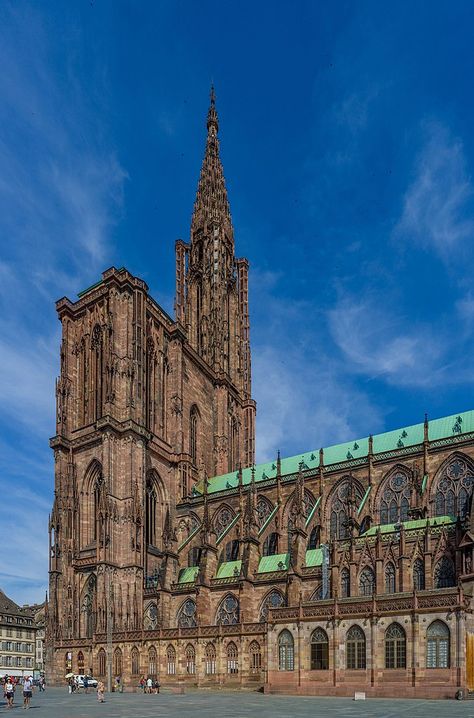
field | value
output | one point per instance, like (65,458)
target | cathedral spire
(211,205)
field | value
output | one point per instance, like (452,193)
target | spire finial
(212,119)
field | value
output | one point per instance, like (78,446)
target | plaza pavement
(57,703)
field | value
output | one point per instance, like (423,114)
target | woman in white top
(9,692)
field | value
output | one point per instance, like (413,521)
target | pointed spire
(212,204)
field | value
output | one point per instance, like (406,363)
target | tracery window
(222,519)
(355,649)
(255,657)
(152,661)
(210,658)
(395,499)
(419,575)
(228,611)
(437,645)
(187,614)
(390,578)
(366,582)
(193,434)
(101,662)
(264,509)
(190,655)
(117,662)
(286,651)
(345,583)
(231,551)
(150,619)
(135,661)
(454,489)
(444,575)
(395,647)
(273,600)
(232,658)
(270,545)
(348,491)
(171,661)
(319,650)
(80,663)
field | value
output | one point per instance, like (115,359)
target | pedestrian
(9,692)
(149,685)
(27,692)
(100,691)
(86,684)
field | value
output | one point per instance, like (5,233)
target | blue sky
(347,142)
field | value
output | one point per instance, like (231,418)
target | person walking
(9,692)
(149,685)
(27,692)
(100,691)
(86,684)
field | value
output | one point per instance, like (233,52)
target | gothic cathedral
(173,556)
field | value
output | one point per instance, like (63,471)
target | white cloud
(438,205)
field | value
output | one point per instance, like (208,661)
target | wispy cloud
(438,207)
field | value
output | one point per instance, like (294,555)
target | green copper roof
(188,575)
(229,569)
(269,518)
(446,427)
(228,528)
(410,525)
(278,562)
(312,512)
(364,499)
(314,557)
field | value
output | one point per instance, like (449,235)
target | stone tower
(146,406)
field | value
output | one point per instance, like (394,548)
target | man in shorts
(27,691)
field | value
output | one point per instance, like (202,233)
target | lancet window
(419,575)
(255,657)
(355,649)
(171,661)
(395,647)
(437,645)
(232,658)
(444,574)
(273,600)
(390,578)
(346,496)
(286,651)
(319,650)
(395,498)
(187,614)
(366,582)
(454,488)
(345,583)
(190,656)
(228,611)
(210,659)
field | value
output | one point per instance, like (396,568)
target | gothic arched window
(193,434)
(117,662)
(222,518)
(96,369)
(210,659)
(437,645)
(419,575)
(194,556)
(152,662)
(347,493)
(286,651)
(454,488)
(80,663)
(190,655)
(228,611)
(255,657)
(395,647)
(150,386)
(395,498)
(345,583)
(187,614)
(444,575)
(135,661)
(230,552)
(319,650)
(366,582)
(150,617)
(232,658)
(101,662)
(355,648)
(273,600)
(150,513)
(270,545)
(313,541)
(171,661)
(233,444)
(390,578)
(264,509)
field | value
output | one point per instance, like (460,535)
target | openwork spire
(211,204)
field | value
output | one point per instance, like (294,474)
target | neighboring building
(17,654)
(39,616)
(345,568)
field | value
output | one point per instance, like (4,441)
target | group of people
(10,684)
(149,685)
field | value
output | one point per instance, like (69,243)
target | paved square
(57,703)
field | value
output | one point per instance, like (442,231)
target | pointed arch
(92,484)
(286,651)
(345,582)
(418,572)
(187,614)
(118,662)
(101,662)
(444,574)
(135,661)
(194,420)
(232,658)
(88,606)
(222,517)
(319,650)
(210,659)
(234,452)
(255,652)
(156,505)
(152,664)
(273,599)
(392,500)
(190,657)
(395,647)
(264,509)
(80,663)
(367,582)
(171,660)
(270,545)
(355,649)
(96,383)
(228,612)
(438,640)
(313,540)
(336,508)
(452,486)
(390,580)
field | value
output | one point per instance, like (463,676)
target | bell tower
(212,305)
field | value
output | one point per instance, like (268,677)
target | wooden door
(470,661)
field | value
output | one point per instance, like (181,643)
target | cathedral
(174,556)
